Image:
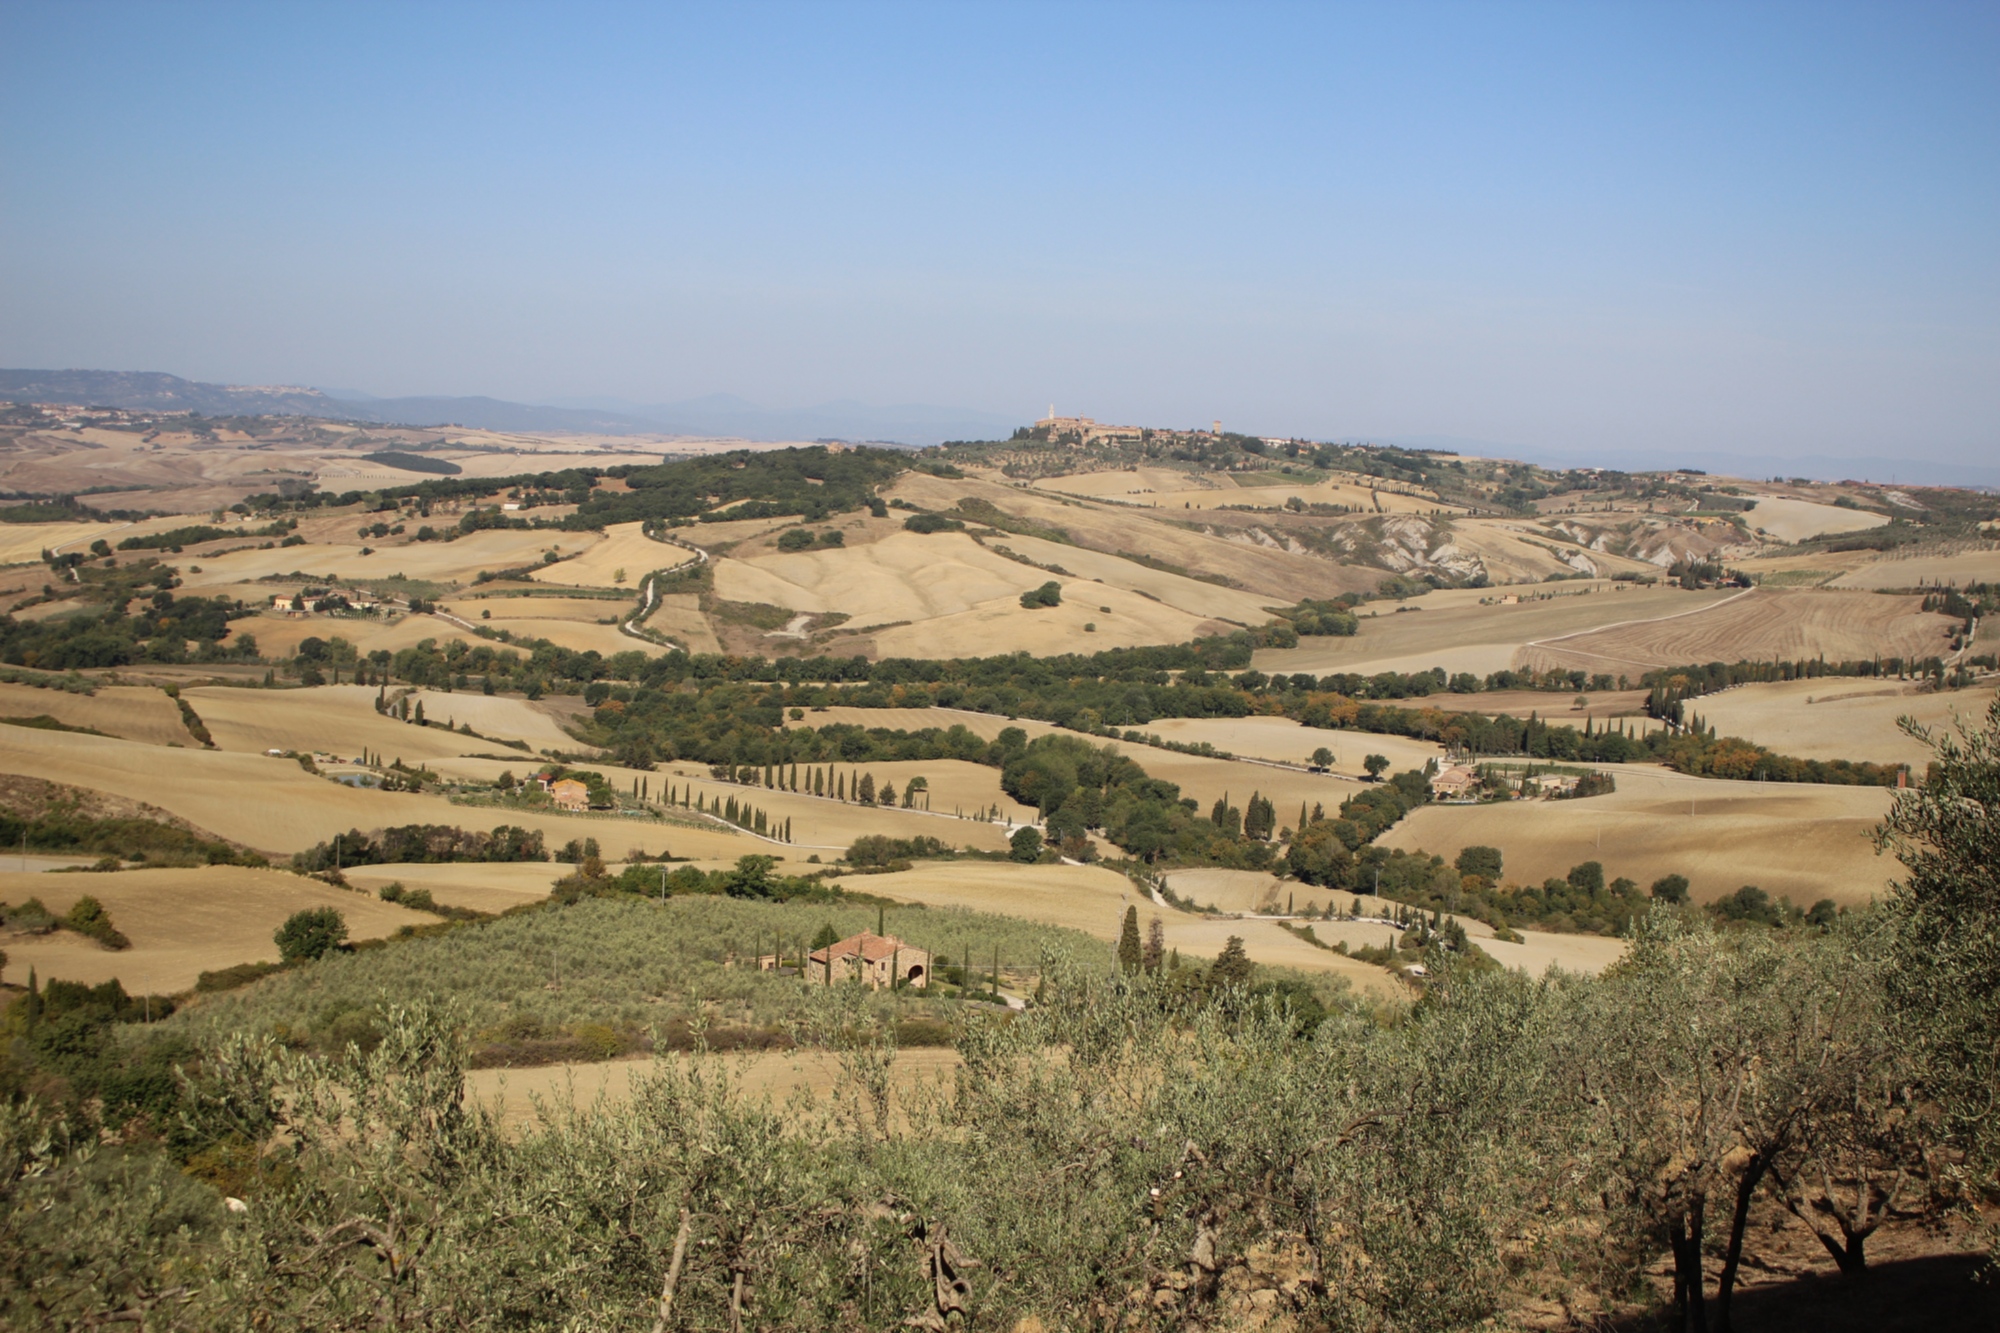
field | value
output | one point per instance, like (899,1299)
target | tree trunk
(1684,1232)
(1746,1188)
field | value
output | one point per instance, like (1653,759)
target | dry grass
(1181,490)
(1808,842)
(1792,623)
(1839,718)
(1284,741)
(135,712)
(183,922)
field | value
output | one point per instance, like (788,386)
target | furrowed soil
(182,922)
(1793,839)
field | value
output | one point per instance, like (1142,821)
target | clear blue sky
(1605,228)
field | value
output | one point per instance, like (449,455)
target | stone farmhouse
(877,960)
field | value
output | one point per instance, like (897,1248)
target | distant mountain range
(716,415)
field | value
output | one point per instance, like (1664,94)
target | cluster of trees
(1324,618)
(812,483)
(422,843)
(158,630)
(1323,851)
(62,829)
(173,539)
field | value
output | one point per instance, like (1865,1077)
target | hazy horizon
(1609,234)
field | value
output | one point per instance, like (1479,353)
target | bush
(1026,844)
(932,523)
(88,917)
(310,934)
(1049,594)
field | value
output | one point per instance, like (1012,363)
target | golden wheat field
(1162,489)
(1840,717)
(679,617)
(182,922)
(134,712)
(1792,624)
(1797,839)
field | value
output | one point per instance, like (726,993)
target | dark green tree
(1130,950)
(310,934)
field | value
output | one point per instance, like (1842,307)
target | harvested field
(134,712)
(23,543)
(499,715)
(1790,623)
(1801,520)
(444,562)
(1262,571)
(1163,489)
(623,547)
(679,617)
(481,886)
(1840,717)
(183,922)
(778,1075)
(1455,632)
(1805,841)
(274,805)
(1899,571)
(1192,596)
(954,785)
(1282,740)
(1003,626)
(330,719)
(1094,900)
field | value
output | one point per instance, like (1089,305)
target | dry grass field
(1840,718)
(1808,842)
(1453,631)
(1164,489)
(182,922)
(23,543)
(679,617)
(134,712)
(1789,623)
(1799,520)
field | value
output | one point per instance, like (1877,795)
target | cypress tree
(1129,947)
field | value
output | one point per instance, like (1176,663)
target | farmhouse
(1455,783)
(570,794)
(875,959)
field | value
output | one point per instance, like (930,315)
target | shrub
(1026,844)
(88,917)
(932,523)
(310,934)
(1049,594)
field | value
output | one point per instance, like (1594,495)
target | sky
(1603,230)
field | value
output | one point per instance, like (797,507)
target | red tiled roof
(873,948)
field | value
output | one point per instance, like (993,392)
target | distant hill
(716,415)
(151,391)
